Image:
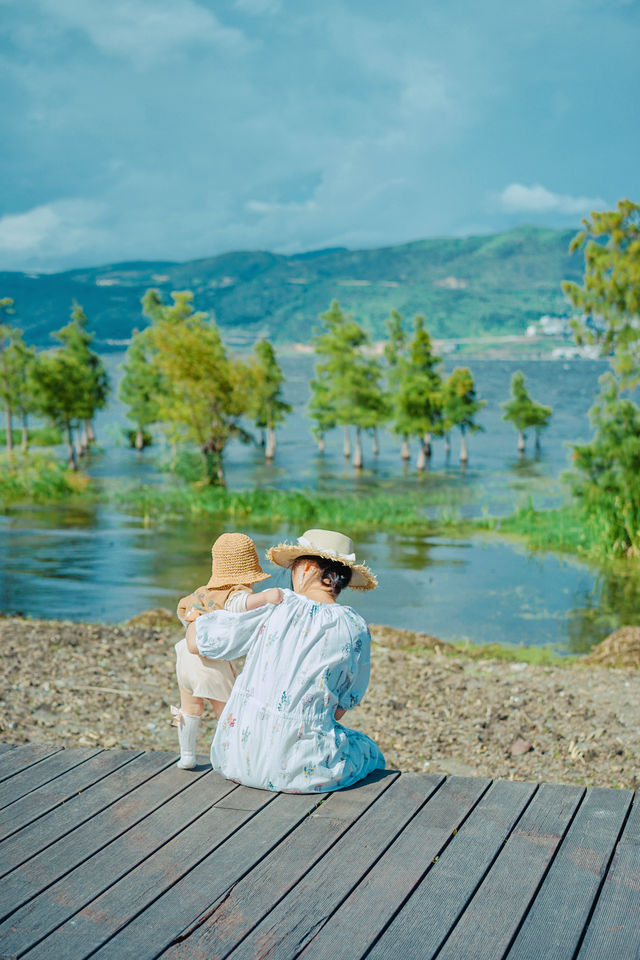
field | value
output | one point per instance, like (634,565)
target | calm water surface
(101,564)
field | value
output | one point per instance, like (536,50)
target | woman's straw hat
(235,560)
(331,546)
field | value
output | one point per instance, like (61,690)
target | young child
(235,569)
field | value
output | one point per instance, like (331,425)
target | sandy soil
(429,707)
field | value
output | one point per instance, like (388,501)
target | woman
(307,662)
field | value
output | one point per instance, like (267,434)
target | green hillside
(466,287)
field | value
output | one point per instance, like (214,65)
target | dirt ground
(429,707)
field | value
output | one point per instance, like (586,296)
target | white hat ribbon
(349,557)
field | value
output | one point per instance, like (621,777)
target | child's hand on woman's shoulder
(273,595)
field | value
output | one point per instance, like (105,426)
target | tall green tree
(523,412)
(346,389)
(417,402)
(267,406)
(609,297)
(205,391)
(60,397)
(76,339)
(605,479)
(460,406)
(140,387)
(7,373)
(395,357)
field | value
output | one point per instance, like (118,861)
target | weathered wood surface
(118,854)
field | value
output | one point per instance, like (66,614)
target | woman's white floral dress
(303,659)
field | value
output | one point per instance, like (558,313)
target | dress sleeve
(354,691)
(225,636)
(237,602)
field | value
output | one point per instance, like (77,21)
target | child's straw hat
(235,560)
(331,546)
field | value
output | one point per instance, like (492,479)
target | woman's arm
(226,636)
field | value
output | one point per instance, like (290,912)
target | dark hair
(333,573)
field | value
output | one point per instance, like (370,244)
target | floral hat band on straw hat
(331,546)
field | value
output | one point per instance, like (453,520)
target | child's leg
(187,720)
(218,707)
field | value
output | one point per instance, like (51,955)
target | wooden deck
(117,853)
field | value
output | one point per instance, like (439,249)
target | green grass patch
(36,437)
(565,529)
(537,656)
(308,509)
(39,478)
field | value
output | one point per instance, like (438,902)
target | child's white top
(303,659)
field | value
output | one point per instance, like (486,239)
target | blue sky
(174,129)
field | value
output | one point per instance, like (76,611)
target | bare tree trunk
(376,445)
(464,456)
(421,462)
(427,445)
(537,441)
(357,454)
(91,434)
(25,433)
(9,427)
(321,443)
(405,453)
(347,444)
(139,442)
(270,446)
(73,463)
(447,444)
(520,441)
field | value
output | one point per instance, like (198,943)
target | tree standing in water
(268,408)
(417,402)
(460,406)
(524,413)
(204,390)
(77,340)
(140,388)
(395,356)
(346,388)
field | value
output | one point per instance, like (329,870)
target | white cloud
(49,234)
(144,31)
(516,198)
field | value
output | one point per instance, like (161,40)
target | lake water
(98,563)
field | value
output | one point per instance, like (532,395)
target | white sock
(187,733)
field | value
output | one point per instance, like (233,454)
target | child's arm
(272,595)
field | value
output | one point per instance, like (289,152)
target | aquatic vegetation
(39,478)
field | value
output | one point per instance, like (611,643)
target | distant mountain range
(466,287)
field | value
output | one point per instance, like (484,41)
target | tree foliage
(609,297)
(460,406)
(523,412)
(140,387)
(417,394)
(267,408)
(204,391)
(605,479)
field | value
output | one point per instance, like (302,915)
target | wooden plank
(26,927)
(252,897)
(554,926)
(6,747)
(491,920)
(51,827)
(40,773)
(614,929)
(18,759)
(292,923)
(437,902)
(103,917)
(370,907)
(191,900)
(40,801)
(69,852)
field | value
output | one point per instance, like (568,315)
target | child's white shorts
(212,679)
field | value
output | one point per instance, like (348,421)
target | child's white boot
(187,734)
